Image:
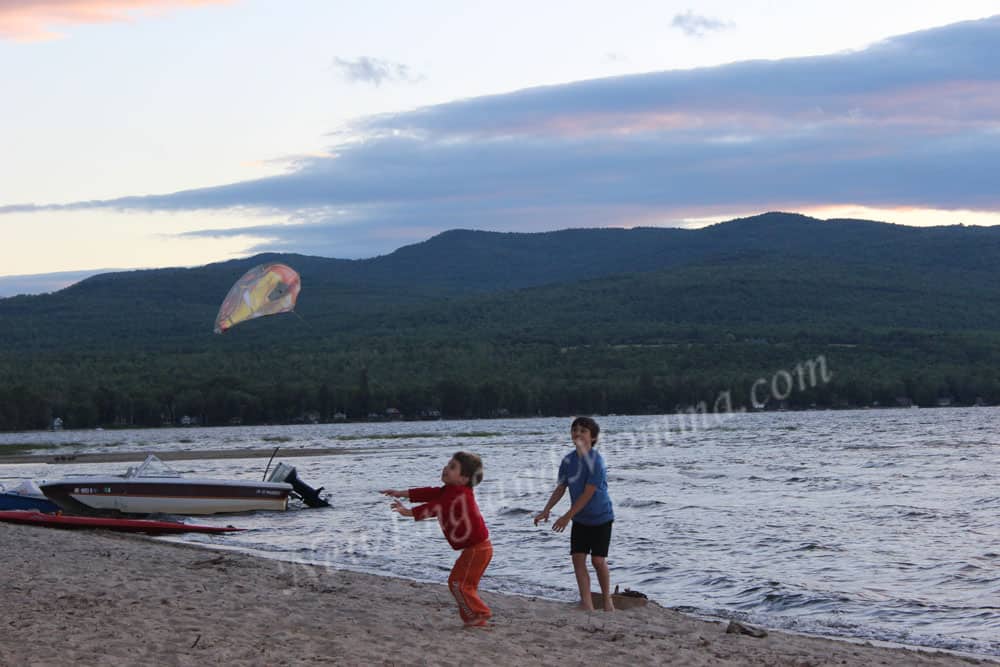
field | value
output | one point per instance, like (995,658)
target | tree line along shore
(383,381)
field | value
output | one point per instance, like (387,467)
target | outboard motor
(308,495)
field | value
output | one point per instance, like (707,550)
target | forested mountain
(481,323)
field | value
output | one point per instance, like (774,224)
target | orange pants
(464,580)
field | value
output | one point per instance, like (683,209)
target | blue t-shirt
(576,472)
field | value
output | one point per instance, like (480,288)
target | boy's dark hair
(587,423)
(472,466)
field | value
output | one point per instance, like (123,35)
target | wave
(815,546)
(511,511)
(629,502)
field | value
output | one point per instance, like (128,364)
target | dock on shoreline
(175,455)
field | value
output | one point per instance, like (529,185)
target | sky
(154,133)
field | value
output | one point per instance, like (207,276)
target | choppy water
(880,524)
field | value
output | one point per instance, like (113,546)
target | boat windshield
(27,488)
(152,467)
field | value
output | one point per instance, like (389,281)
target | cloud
(908,122)
(32,20)
(694,25)
(375,71)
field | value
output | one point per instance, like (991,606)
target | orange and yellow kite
(267,289)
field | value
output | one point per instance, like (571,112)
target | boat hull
(13,501)
(166,496)
(36,518)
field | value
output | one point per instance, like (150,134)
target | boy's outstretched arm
(401,508)
(396,493)
(581,502)
(556,496)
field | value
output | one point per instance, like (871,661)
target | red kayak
(129,525)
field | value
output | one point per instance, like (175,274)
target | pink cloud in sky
(32,20)
(948,104)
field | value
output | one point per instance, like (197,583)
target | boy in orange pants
(454,505)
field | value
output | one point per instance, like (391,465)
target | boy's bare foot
(582,606)
(478,622)
(609,606)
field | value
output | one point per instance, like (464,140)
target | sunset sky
(151,133)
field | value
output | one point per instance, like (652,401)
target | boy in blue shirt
(584,472)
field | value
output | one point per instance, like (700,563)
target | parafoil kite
(267,289)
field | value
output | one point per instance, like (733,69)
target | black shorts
(593,540)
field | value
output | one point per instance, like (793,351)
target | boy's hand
(561,523)
(541,516)
(395,493)
(401,508)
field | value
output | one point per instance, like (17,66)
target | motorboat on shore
(154,488)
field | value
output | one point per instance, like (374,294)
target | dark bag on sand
(629,593)
(627,600)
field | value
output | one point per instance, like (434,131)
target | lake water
(880,524)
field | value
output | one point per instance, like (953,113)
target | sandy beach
(92,598)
